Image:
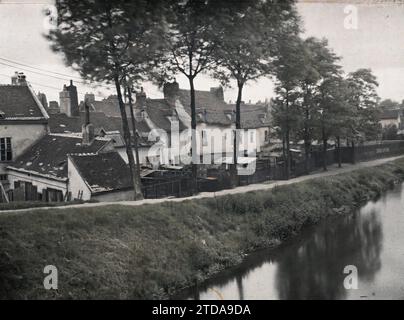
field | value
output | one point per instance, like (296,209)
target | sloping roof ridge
(84,154)
(66,135)
(39,104)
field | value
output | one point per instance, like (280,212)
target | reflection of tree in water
(314,269)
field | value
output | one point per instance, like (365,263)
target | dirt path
(332,170)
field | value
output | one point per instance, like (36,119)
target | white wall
(76,182)
(114,196)
(22,137)
(261,137)
(40,182)
(387,122)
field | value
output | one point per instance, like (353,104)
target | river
(311,266)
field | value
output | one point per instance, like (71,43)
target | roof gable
(17,102)
(49,155)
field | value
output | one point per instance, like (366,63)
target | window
(266,135)
(204,138)
(252,136)
(5,149)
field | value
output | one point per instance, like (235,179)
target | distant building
(390,117)
(42,99)
(214,117)
(53,107)
(109,106)
(69,103)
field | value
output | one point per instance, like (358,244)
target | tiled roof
(17,102)
(103,172)
(206,100)
(49,155)
(390,114)
(108,106)
(212,110)
(61,123)
(254,116)
(159,112)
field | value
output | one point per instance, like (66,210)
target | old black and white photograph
(226,151)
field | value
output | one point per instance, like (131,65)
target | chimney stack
(218,92)
(90,97)
(87,129)
(19,79)
(141,98)
(171,91)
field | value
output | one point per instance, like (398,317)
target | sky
(377,43)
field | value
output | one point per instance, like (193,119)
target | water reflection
(314,269)
(311,265)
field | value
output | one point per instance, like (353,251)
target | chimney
(14,79)
(74,100)
(218,92)
(141,98)
(87,129)
(171,91)
(19,79)
(90,97)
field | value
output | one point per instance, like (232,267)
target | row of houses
(72,150)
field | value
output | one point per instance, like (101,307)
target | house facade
(391,117)
(101,177)
(41,173)
(215,123)
(23,121)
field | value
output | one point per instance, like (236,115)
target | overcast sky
(377,43)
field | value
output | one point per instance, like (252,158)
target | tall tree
(363,100)
(332,113)
(249,45)
(288,72)
(319,64)
(190,38)
(105,41)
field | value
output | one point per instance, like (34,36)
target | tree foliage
(109,41)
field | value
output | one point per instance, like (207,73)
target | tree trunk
(126,136)
(236,140)
(135,137)
(287,139)
(325,140)
(353,152)
(284,152)
(307,143)
(339,151)
(288,155)
(194,151)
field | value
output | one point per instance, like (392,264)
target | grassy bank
(151,250)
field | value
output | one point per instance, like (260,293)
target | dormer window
(230,114)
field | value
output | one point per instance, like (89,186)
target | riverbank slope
(149,251)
